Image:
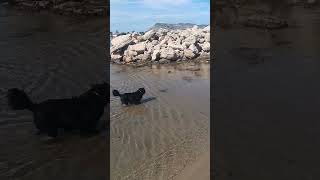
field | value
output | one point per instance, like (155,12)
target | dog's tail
(19,100)
(115,93)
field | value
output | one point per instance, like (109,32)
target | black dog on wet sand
(130,98)
(82,112)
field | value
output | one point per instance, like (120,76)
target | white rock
(120,40)
(185,34)
(157,47)
(116,57)
(155,55)
(164,41)
(202,40)
(205,47)
(148,34)
(146,56)
(154,42)
(136,41)
(128,59)
(195,27)
(194,49)
(168,53)
(206,29)
(131,53)
(190,40)
(207,37)
(139,48)
(189,54)
(138,57)
(149,45)
(176,46)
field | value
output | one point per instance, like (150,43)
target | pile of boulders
(65,7)
(161,46)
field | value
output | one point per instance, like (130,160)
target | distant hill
(175,26)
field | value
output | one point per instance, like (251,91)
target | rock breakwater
(161,46)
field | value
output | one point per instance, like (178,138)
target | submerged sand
(169,131)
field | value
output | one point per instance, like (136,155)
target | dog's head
(141,91)
(102,90)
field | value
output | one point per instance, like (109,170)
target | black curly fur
(82,112)
(130,98)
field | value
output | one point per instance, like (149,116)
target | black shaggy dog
(130,98)
(82,112)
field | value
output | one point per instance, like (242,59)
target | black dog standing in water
(82,112)
(130,98)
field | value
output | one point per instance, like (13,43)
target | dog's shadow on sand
(145,100)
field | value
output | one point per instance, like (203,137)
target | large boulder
(139,48)
(116,57)
(175,46)
(194,49)
(155,55)
(169,54)
(205,47)
(120,40)
(164,41)
(157,47)
(120,43)
(155,42)
(189,54)
(162,32)
(148,35)
(146,56)
(190,40)
(138,57)
(128,59)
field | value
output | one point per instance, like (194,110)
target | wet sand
(169,131)
(49,57)
(266,115)
(199,170)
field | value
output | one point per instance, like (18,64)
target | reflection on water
(169,130)
(49,57)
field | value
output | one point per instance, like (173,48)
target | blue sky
(139,15)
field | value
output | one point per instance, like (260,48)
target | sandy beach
(49,57)
(169,132)
(266,112)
